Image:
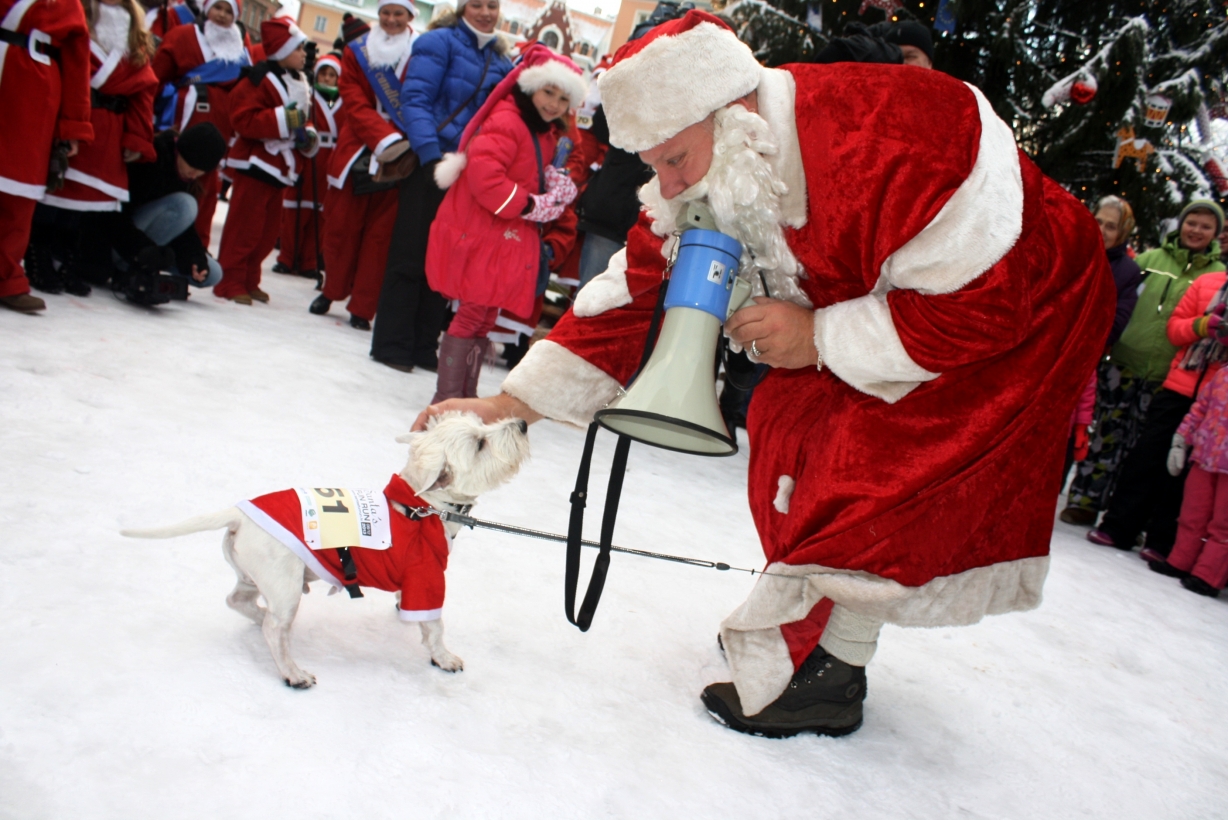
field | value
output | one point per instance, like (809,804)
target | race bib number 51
(336,517)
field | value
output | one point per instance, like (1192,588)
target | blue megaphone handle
(704,273)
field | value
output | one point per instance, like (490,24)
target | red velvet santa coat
(44,99)
(365,125)
(414,565)
(962,300)
(325,120)
(183,49)
(97,178)
(258,114)
(480,249)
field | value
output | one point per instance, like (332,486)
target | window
(515,28)
(550,40)
(640,16)
(321,23)
(583,49)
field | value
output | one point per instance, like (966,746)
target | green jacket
(1168,270)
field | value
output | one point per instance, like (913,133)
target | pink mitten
(559,186)
(544,209)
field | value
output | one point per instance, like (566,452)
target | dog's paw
(448,662)
(307,681)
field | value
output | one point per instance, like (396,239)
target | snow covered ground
(128,688)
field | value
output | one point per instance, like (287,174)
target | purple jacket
(1206,425)
(1128,277)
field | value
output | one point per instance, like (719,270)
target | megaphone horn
(672,402)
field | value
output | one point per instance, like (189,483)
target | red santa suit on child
(412,564)
(269,111)
(359,226)
(302,217)
(198,66)
(44,81)
(122,95)
(909,478)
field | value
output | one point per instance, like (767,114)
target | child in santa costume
(122,91)
(198,65)
(931,306)
(485,246)
(270,110)
(302,217)
(359,226)
(44,80)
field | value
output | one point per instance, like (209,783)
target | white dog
(451,463)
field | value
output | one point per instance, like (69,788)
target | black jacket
(609,205)
(148,181)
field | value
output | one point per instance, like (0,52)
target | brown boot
(23,303)
(258,295)
(453,370)
(241,298)
(473,367)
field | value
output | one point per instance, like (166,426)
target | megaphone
(672,402)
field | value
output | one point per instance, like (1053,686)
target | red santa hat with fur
(538,68)
(280,37)
(708,67)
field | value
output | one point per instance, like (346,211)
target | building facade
(321,19)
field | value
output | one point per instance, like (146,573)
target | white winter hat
(673,77)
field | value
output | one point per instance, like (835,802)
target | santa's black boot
(824,697)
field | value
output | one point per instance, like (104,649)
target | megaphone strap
(579,500)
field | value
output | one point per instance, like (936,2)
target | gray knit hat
(1204,205)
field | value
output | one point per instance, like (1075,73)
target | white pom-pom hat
(673,77)
(538,68)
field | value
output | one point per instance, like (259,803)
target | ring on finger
(754,348)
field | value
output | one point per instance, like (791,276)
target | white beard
(226,42)
(111,28)
(384,51)
(744,193)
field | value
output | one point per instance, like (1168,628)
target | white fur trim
(605,291)
(82,204)
(673,82)
(858,341)
(97,184)
(756,649)
(395,136)
(978,225)
(22,189)
(405,4)
(560,385)
(851,637)
(553,72)
(776,101)
(448,169)
(420,614)
(784,491)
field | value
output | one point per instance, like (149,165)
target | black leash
(579,498)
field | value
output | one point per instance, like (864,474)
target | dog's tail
(229,518)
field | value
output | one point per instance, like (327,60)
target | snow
(131,690)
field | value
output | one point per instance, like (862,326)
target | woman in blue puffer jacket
(453,69)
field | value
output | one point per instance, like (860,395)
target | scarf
(1208,351)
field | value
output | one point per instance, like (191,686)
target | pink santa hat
(538,68)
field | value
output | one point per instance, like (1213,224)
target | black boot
(1195,584)
(320,305)
(41,270)
(824,697)
(357,322)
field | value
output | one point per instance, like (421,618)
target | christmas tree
(1107,96)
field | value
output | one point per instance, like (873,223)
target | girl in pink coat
(485,246)
(1200,555)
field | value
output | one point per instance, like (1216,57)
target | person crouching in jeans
(269,111)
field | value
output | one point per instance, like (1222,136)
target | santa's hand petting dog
(934,305)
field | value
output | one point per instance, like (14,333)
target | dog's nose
(523,425)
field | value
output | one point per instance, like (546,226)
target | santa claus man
(197,66)
(933,307)
(45,84)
